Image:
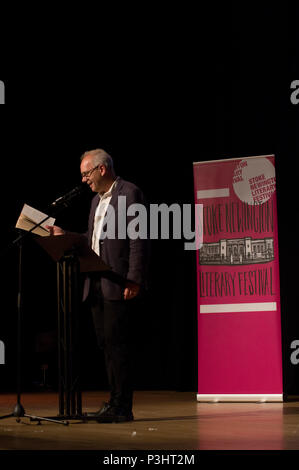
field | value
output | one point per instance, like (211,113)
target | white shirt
(99,217)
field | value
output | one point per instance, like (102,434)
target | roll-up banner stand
(239,320)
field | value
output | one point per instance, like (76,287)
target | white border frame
(261,397)
(231,159)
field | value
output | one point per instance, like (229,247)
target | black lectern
(72,256)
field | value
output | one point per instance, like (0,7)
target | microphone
(69,196)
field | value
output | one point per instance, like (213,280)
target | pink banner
(239,323)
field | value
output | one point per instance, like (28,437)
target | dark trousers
(112,325)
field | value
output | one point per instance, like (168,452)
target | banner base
(261,398)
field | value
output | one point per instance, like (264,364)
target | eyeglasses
(85,174)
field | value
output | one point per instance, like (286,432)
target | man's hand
(131,290)
(55,230)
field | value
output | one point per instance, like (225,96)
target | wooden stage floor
(163,420)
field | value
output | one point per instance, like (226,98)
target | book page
(30,217)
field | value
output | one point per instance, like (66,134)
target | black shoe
(115,414)
(95,414)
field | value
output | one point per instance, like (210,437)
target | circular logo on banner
(254,180)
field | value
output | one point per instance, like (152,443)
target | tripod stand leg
(18,411)
(39,419)
(11,415)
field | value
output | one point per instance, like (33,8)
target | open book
(29,217)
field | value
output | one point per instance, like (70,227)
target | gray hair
(99,156)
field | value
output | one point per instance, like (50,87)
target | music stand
(73,256)
(19,411)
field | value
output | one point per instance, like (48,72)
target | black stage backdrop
(173,88)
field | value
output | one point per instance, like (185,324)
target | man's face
(92,174)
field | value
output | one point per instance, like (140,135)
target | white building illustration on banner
(237,251)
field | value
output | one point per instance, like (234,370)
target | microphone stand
(19,411)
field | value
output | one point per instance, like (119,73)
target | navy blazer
(128,259)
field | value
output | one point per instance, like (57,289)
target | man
(111,296)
